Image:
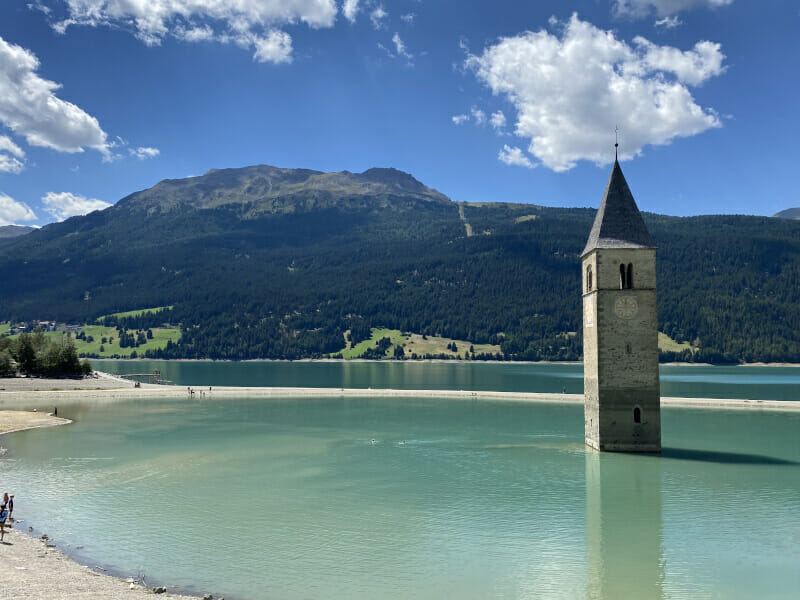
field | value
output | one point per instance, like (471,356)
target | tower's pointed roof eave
(618,223)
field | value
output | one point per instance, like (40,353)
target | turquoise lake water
(759,383)
(288,498)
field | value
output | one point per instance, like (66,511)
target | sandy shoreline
(34,568)
(19,420)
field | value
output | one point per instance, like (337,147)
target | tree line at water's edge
(34,354)
(291,286)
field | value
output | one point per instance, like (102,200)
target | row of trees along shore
(35,354)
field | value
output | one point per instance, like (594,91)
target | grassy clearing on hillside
(393,334)
(667,344)
(438,345)
(414,343)
(161,335)
(4,327)
(135,313)
(526,218)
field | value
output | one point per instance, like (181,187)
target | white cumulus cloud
(275,47)
(643,8)
(408,18)
(11,156)
(62,205)
(570,92)
(512,155)
(350,10)
(143,152)
(460,119)
(12,211)
(30,108)
(249,23)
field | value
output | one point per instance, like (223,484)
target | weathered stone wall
(621,353)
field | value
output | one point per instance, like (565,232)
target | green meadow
(134,313)
(414,343)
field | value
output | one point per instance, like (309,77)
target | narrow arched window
(630,276)
(637,415)
(588,278)
(628,348)
(622,278)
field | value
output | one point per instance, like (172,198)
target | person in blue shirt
(3,517)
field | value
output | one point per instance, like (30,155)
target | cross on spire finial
(616,142)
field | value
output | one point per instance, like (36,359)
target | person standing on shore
(3,517)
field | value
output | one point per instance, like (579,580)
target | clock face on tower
(626,307)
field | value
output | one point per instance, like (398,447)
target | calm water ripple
(288,498)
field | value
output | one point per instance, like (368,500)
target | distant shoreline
(431,360)
(118,389)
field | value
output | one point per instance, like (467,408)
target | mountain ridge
(12,231)
(264,188)
(289,272)
(789,213)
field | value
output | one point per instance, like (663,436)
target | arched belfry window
(625,276)
(637,415)
(588,278)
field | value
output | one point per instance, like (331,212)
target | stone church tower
(622,405)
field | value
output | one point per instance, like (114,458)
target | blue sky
(502,101)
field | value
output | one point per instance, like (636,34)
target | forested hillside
(278,263)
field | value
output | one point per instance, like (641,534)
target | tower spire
(616,142)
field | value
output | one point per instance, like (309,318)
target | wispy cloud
(645,8)
(11,156)
(512,155)
(350,10)
(378,16)
(254,24)
(143,152)
(669,22)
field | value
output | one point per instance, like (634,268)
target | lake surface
(289,498)
(756,383)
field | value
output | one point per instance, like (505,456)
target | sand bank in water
(18,420)
(48,393)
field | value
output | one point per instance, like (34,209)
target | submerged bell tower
(622,399)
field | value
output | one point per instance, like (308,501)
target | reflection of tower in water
(623,527)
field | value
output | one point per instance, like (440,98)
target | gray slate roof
(618,223)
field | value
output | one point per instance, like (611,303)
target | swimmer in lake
(373,441)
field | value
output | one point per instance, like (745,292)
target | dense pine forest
(277,263)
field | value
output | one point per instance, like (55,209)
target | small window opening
(589,278)
(625,276)
(637,415)
(628,348)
